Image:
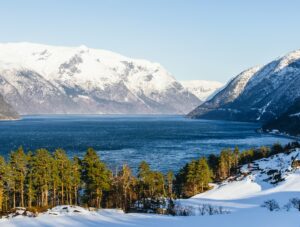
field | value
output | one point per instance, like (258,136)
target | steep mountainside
(45,79)
(288,122)
(201,88)
(259,94)
(6,111)
(213,108)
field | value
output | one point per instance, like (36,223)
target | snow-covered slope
(264,94)
(37,78)
(202,88)
(242,197)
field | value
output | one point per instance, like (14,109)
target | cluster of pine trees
(42,179)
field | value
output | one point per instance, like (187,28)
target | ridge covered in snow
(203,89)
(37,78)
(258,94)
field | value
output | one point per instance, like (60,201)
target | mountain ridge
(40,79)
(260,94)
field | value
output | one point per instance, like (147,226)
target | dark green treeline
(43,179)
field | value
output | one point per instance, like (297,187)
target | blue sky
(212,40)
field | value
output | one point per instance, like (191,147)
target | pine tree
(76,177)
(29,181)
(191,185)
(96,177)
(236,154)
(18,163)
(2,178)
(63,167)
(169,183)
(226,162)
(143,178)
(41,175)
(203,175)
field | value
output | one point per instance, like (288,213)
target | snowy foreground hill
(240,199)
(38,79)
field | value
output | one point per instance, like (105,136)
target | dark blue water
(166,142)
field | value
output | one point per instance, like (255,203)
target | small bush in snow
(207,209)
(271,205)
(287,206)
(184,210)
(223,211)
(295,203)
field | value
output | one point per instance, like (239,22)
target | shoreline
(278,133)
(11,119)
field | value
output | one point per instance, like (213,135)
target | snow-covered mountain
(203,89)
(42,79)
(258,94)
(6,111)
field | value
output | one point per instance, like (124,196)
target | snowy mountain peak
(288,59)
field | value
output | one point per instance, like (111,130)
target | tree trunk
(22,194)
(70,196)
(62,193)
(54,195)
(75,195)
(29,197)
(42,202)
(14,199)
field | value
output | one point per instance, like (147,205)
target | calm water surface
(166,142)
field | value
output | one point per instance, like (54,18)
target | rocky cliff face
(6,111)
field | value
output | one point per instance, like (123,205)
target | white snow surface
(203,89)
(243,196)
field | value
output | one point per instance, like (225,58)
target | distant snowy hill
(38,79)
(201,88)
(258,94)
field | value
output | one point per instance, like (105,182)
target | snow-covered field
(242,196)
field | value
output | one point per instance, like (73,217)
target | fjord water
(166,142)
